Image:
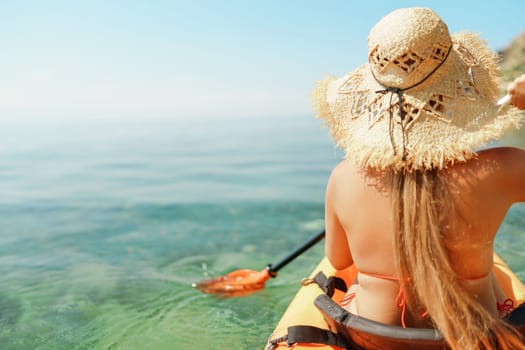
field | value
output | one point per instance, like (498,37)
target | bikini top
(401,297)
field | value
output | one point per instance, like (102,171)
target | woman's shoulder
(496,160)
(502,154)
(502,161)
(348,172)
(346,168)
(501,169)
(349,178)
(343,169)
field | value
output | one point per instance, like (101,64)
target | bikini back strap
(401,301)
(377,275)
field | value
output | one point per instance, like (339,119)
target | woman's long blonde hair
(421,203)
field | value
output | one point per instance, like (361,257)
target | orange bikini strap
(401,301)
(376,275)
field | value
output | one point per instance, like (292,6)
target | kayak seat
(363,333)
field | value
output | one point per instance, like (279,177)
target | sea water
(105,224)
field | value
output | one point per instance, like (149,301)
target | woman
(414,206)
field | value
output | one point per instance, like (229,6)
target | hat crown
(406,46)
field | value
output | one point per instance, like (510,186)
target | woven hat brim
(449,117)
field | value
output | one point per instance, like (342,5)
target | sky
(190,59)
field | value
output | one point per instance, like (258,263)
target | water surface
(105,225)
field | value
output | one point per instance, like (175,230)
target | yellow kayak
(313,320)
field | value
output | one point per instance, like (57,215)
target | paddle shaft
(272,269)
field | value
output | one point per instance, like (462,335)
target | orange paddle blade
(236,283)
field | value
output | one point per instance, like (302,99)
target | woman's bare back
(359,222)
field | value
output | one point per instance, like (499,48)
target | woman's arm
(336,245)
(514,159)
(506,169)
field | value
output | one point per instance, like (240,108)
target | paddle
(244,282)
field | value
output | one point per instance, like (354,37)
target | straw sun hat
(445,84)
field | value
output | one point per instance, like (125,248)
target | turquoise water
(105,225)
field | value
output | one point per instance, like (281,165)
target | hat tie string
(399,93)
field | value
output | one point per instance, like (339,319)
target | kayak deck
(302,311)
